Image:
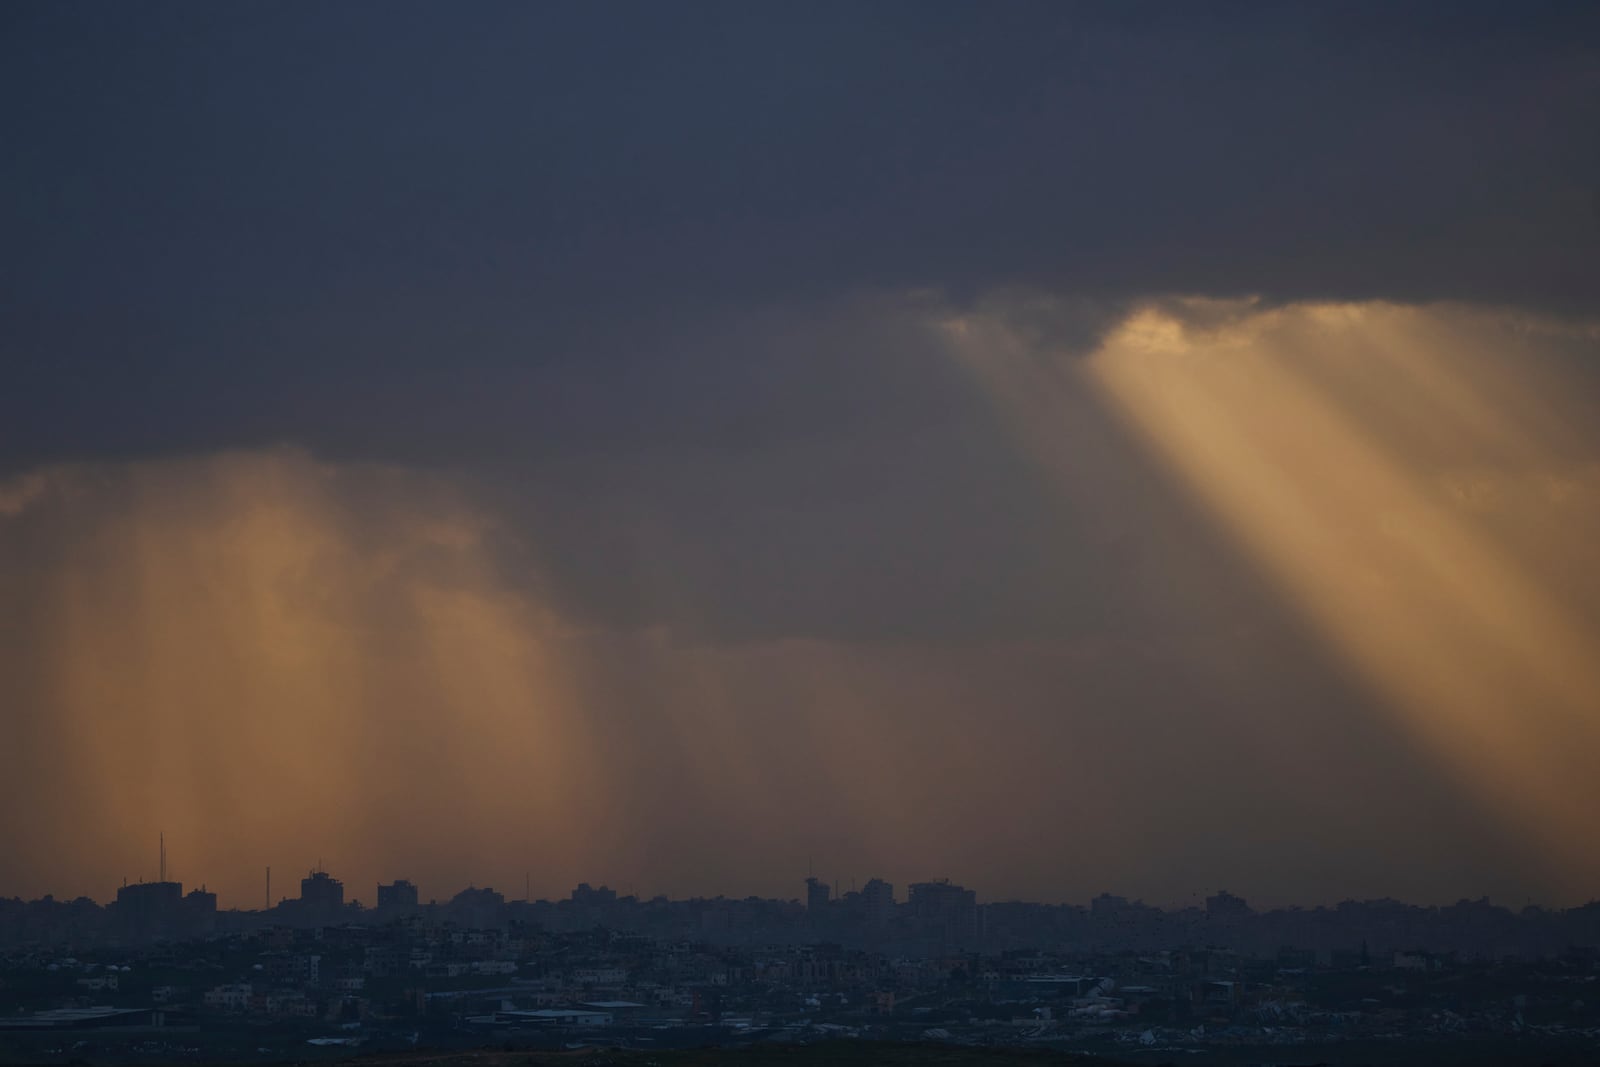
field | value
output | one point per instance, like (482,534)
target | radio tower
(163,856)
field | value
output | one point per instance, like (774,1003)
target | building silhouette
(397,898)
(817,897)
(321,897)
(878,897)
(159,911)
(944,911)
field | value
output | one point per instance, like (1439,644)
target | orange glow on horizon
(278,660)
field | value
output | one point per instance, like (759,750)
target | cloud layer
(280,659)
(220,231)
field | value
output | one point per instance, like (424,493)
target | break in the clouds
(1059,446)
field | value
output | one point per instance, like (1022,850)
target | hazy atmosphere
(1059,447)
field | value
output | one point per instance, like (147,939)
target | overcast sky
(651,443)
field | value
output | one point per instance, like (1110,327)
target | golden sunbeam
(275,659)
(1486,664)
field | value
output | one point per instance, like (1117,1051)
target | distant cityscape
(935,915)
(160,971)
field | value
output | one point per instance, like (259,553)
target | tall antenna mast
(269,889)
(163,855)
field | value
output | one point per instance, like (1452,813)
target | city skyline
(832,890)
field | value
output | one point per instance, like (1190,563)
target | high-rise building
(148,911)
(397,898)
(816,896)
(199,914)
(945,910)
(878,896)
(321,897)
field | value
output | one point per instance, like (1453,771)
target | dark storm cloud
(348,225)
(612,258)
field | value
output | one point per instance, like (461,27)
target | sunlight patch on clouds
(1416,480)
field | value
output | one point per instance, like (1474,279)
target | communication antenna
(269,889)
